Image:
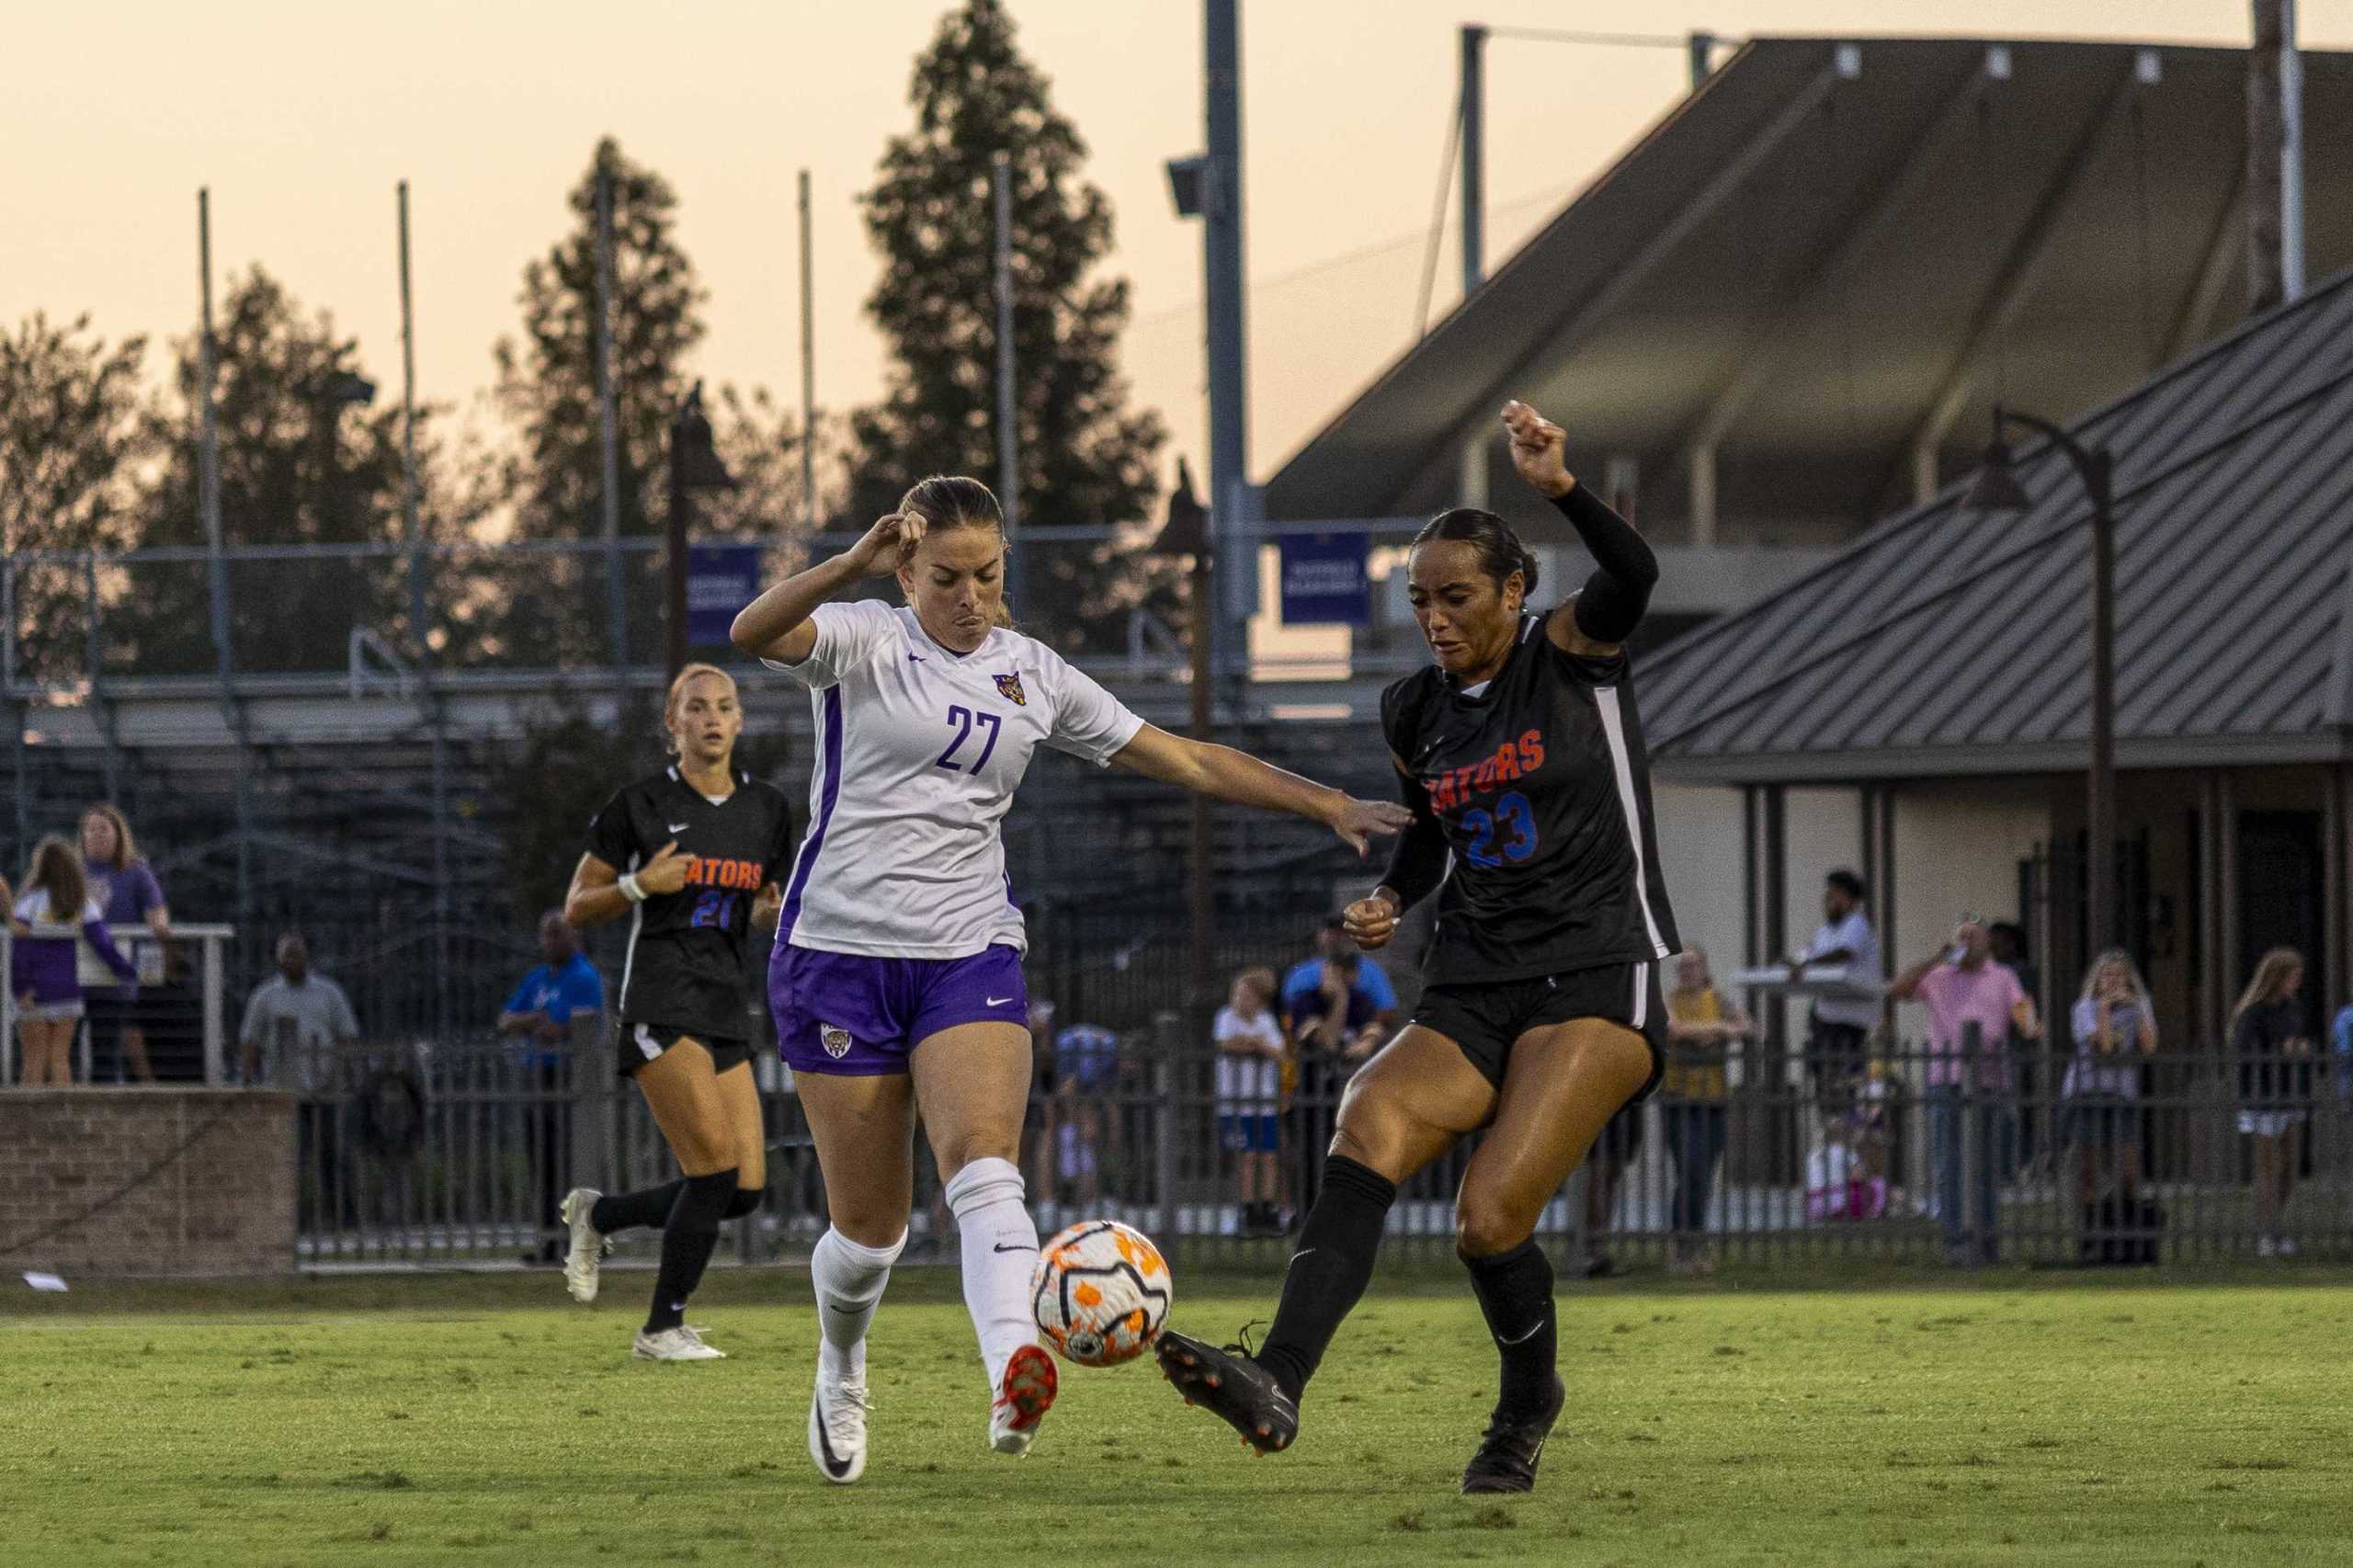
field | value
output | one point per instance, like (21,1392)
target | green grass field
(473,1420)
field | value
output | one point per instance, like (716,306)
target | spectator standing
(1702,1025)
(45,967)
(1960,987)
(2274,1051)
(2114,1027)
(1087,1066)
(1364,974)
(124,887)
(1337,1007)
(1839,1028)
(545,1011)
(299,1017)
(1250,1050)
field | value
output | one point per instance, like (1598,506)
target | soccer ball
(1100,1293)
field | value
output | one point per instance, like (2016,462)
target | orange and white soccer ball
(1100,1293)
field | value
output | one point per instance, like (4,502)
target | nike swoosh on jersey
(678,827)
(1016,1247)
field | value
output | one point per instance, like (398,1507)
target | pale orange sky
(300,117)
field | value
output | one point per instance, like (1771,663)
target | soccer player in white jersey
(896,978)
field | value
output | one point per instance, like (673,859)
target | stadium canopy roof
(1833,248)
(1949,641)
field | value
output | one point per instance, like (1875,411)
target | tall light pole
(1997,490)
(1207,185)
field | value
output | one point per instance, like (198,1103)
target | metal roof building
(1949,640)
(1787,306)
(1919,704)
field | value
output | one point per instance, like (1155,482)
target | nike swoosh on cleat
(1015,1247)
(835,1466)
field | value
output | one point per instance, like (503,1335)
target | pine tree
(1084,456)
(301,462)
(554,606)
(71,438)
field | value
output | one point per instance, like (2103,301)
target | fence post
(1973,1221)
(592,1102)
(215,1013)
(1164,1036)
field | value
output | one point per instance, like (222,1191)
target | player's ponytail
(1500,552)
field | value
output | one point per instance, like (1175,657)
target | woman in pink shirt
(1960,987)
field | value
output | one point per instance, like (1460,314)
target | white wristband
(629,890)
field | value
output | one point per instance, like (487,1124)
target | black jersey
(685,968)
(1543,788)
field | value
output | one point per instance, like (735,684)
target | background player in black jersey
(1521,758)
(691,854)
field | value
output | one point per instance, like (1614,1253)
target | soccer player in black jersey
(1521,757)
(691,854)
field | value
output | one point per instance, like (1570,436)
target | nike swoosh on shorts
(998,1001)
(1015,1247)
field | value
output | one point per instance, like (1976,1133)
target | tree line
(93,458)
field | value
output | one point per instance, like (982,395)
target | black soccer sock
(1329,1271)
(687,1239)
(1515,1290)
(626,1211)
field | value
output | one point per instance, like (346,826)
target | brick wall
(220,1198)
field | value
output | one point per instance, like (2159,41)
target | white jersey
(918,752)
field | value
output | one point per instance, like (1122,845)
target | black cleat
(1235,1387)
(1507,1454)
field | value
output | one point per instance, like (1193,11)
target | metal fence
(460,1153)
(178,1013)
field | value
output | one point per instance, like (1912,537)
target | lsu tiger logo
(836,1040)
(1009,687)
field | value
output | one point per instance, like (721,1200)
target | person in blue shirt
(1369,987)
(1337,1008)
(542,1011)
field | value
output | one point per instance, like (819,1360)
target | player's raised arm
(1604,614)
(1236,776)
(777,625)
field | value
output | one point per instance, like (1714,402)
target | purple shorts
(856,1016)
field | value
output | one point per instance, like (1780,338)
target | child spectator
(1249,1091)
(45,973)
(2114,1027)
(2274,1062)
(1702,1024)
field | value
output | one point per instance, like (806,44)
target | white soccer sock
(848,1279)
(1000,1254)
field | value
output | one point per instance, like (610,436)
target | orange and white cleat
(1022,1401)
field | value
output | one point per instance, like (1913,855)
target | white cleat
(679,1344)
(838,1429)
(588,1244)
(1022,1403)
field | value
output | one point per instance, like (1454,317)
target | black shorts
(641,1043)
(1486,1019)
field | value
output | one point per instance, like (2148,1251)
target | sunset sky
(300,117)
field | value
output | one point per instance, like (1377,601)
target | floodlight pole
(1237,554)
(1009,469)
(1473,90)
